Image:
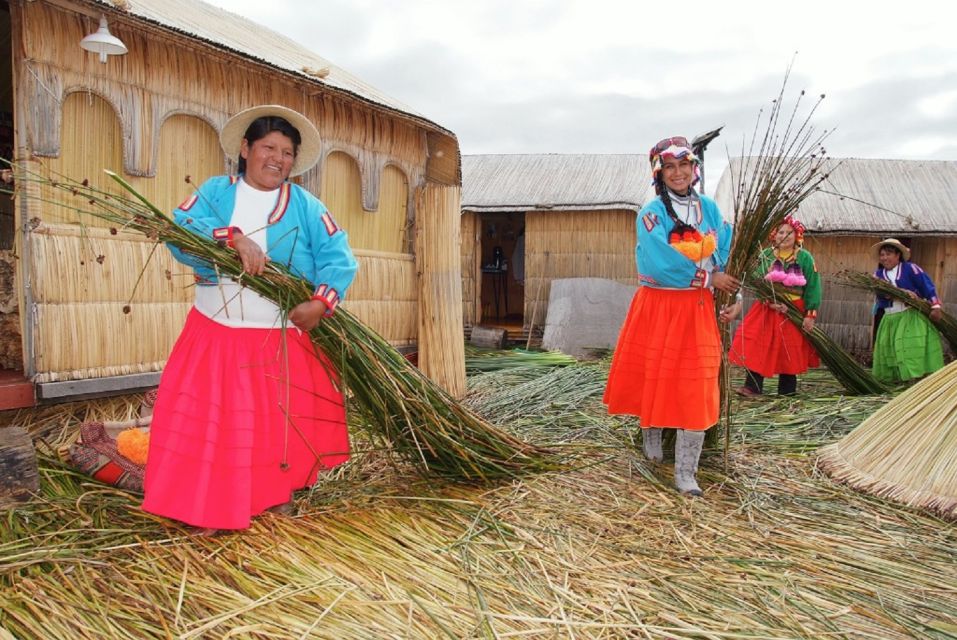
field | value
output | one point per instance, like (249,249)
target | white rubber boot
(651,444)
(687,451)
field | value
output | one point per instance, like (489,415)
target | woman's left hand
(808,324)
(306,315)
(936,314)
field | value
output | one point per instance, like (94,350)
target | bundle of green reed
(852,376)
(947,325)
(907,450)
(405,411)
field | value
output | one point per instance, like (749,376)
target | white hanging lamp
(103,42)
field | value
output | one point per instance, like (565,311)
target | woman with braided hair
(665,367)
(767,343)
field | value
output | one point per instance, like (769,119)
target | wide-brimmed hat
(894,242)
(231,137)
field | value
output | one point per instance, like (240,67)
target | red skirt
(243,418)
(768,343)
(665,367)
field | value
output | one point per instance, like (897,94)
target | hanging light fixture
(103,42)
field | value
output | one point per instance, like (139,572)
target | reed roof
(554,182)
(233,33)
(876,197)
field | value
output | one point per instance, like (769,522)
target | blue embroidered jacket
(301,234)
(660,264)
(912,278)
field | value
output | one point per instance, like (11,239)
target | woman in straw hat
(247,410)
(665,367)
(767,343)
(906,345)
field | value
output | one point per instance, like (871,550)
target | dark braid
(680,226)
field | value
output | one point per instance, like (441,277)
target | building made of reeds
(390,176)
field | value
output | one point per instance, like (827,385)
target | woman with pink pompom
(767,343)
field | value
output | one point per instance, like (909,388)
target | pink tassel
(776,274)
(794,277)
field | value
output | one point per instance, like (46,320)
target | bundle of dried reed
(408,413)
(907,450)
(947,325)
(852,376)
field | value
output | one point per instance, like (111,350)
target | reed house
(863,202)
(530,219)
(390,176)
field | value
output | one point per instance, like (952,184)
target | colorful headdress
(794,224)
(674,147)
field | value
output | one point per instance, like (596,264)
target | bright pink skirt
(665,367)
(243,418)
(768,343)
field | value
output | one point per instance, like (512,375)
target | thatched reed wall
(154,114)
(441,348)
(471,231)
(575,244)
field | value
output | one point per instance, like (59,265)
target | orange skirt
(768,343)
(665,367)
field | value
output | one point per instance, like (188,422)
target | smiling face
(889,257)
(784,239)
(677,174)
(269,160)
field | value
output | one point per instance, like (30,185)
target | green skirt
(907,347)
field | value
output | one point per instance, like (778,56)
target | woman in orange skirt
(665,367)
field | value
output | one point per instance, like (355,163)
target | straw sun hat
(231,137)
(894,242)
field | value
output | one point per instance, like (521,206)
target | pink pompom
(776,274)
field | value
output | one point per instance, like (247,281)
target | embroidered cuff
(701,279)
(810,313)
(224,235)
(327,295)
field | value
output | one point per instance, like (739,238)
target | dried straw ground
(775,550)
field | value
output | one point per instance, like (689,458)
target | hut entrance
(15,391)
(503,270)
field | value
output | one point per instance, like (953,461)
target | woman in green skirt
(907,345)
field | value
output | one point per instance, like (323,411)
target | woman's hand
(251,254)
(723,282)
(936,314)
(306,315)
(729,312)
(808,324)
(780,307)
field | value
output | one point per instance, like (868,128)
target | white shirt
(896,306)
(227,302)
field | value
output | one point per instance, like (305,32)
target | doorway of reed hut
(15,390)
(502,287)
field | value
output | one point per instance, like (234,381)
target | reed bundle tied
(947,325)
(852,376)
(907,450)
(406,412)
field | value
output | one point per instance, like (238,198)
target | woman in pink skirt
(248,410)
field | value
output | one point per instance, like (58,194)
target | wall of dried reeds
(575,244)
(471,230)
(438,260)
(153,114)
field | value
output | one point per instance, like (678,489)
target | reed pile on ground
(906,450)
(775,550)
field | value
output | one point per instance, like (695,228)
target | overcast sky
(604,76)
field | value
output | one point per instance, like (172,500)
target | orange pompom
(133,444)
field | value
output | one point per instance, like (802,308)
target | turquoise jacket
(661,265)
(301,234)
